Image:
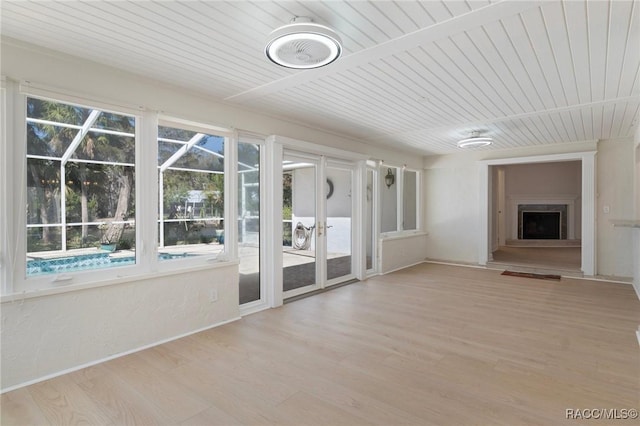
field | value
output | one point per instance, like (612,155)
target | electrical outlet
(606,209)
(213,295)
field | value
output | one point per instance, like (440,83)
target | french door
(318,212)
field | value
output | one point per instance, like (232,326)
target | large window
(400,199)
(191,185)
(95,193)
(80,179)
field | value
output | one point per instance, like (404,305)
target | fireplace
(542,221)
(541,225)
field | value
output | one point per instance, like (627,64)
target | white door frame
(588,262)
(275,146)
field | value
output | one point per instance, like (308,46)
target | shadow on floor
(295,276)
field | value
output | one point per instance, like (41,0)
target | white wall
(452,197)
(543,181)
(45,335)
(636,191)
(615,169)
(451,209)
(399,252)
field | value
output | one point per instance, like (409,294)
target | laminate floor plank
(18,408)
(63,402)
(123,405)
(429,345)
(175,402)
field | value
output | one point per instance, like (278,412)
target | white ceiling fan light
(475,141)
(303,44)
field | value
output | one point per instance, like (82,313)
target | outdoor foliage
(94,191)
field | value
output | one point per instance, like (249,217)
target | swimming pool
(85,262)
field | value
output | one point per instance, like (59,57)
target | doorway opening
(540,213)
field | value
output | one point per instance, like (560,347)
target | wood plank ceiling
(415,75)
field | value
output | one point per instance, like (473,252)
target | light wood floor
(568,258)
(433,344)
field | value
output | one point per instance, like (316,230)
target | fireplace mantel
(513,201)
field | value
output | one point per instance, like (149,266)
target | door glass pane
(369,226)
(249,221)
(299,219)
(339,207)
(409,200)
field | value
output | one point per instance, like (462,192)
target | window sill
(402,235)
(20,296)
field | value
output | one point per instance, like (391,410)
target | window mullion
(147,190)
(63,207)
(400,198)
(230,196)
(17,193)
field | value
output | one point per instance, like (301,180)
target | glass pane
(166,150)
(389,194)
(409,200)
(249,221)
(88,191)
(370,231)
(115,122)
(99,206)
(48,140)
(56,112)
(339,205)
(299,215)
(41,239)
(207,154)
(83,236)
(107,147)
(43,191)
(191,211)
(175,134)
(84,253)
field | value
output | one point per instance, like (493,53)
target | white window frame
(230,248)
(13,230)
(399,182)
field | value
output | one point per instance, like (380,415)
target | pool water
(87,261)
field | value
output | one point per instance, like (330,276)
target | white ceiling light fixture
(475,141)
(303,44)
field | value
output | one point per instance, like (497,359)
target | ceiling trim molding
(441,30)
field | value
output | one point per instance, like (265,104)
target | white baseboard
(636,287)
(110,357)
(402,267)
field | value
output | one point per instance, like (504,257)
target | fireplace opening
(541,225)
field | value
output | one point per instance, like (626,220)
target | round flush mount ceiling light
(475,141)
(303,44)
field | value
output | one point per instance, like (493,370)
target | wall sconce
(389,179)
